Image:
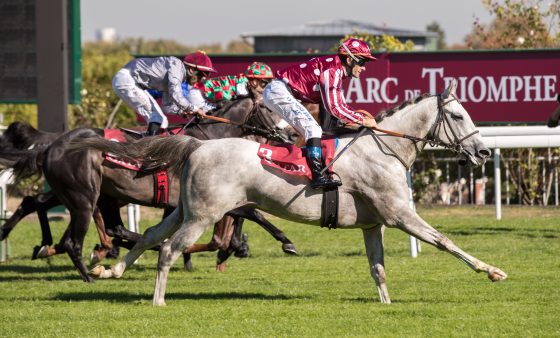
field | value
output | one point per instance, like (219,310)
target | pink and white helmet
(356,48)
(199,60)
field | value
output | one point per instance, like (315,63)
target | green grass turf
(325,291)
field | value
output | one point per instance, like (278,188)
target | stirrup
(325,182)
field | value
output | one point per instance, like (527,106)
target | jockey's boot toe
(322,181)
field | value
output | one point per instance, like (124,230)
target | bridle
(267,129)
(442,122)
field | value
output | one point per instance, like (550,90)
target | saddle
(157,170)
(290,159)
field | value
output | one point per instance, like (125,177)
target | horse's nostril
(484,153)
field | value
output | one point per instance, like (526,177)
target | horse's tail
(21,135)
(171,150)
(24,163)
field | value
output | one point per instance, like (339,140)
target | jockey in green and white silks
(165,74)
(225,88)
(319,80)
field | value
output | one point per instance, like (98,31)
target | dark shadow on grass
(375,300)
(10,272)
(122,297)
(521,232)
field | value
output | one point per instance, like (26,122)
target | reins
(442,121)
(268,133)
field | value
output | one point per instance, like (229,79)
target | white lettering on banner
(529,88)
(376,91)
(497,94)
(432,72)
(477,88)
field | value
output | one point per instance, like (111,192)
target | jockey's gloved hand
(552,123)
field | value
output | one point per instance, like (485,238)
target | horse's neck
(414,120)
(236,112)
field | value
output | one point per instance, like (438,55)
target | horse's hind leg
(171,250)
(235,245)
(151,237)
(39,203)
(408,221)
(100,251)
(373,239)
(26,207)
(257,217)
(79,223)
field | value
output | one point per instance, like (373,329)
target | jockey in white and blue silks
(165,74)
(318,80)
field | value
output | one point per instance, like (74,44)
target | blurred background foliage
(513,24)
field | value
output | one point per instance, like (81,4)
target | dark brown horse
(81,180)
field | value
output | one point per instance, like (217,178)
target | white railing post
(131,212)
(497,184)
(4,245)
(413,240)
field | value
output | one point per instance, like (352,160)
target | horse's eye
(456,116)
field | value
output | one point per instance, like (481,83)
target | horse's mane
(391,111)
(225,106)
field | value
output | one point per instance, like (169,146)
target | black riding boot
(153,129)
(315,163)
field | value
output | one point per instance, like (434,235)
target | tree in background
(436,28)
(383,43)
(522,24)
(100,62)
(517,24)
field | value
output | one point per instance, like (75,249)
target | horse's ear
(450,89)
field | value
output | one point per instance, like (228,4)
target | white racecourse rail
(515,137)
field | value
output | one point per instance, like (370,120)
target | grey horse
(374,193)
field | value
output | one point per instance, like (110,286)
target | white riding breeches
(278,98)
(137,98)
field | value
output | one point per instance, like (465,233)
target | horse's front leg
(373,239)
(411,223)
(152,237)
(171,250)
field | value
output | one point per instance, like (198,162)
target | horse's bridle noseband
(255,118)
(442,122)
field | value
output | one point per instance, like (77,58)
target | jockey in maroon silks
(319,80)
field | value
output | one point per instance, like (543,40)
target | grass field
(325,291)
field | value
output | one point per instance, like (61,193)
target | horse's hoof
(88,279)
(97,271)
(40,252)
(497,275)
(289,248)
(243,251)
(188,266)
(3,234)
(95,258)
(221,267)
(113,253)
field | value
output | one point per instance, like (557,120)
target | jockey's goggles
(360,62)
(202,73)
(263,83)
